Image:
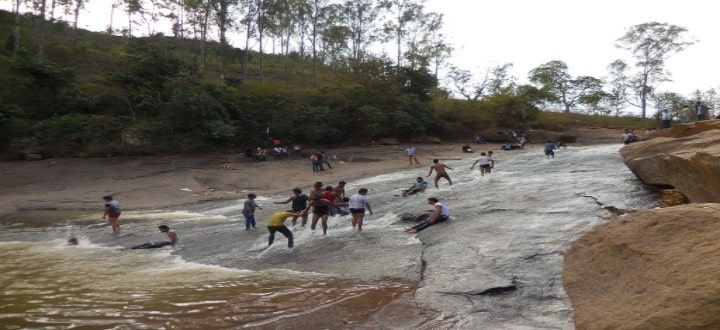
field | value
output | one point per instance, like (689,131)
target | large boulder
(655,269)
(686,157)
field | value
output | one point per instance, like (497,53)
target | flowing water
(515,223)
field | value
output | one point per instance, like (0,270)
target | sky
(529,33)
(581,33)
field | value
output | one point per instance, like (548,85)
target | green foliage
(321,125)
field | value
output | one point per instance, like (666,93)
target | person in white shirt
(358,203)
(484,161)
(441,214)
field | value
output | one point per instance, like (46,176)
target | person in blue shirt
(419,186)
(550,148)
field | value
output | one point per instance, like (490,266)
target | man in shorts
(550,148)
(358,203)
(410,151)
(439,172)
(484,163)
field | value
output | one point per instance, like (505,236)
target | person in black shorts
(299,203)
(321,210)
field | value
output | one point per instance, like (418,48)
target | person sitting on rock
(441,214)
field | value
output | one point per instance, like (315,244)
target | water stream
(497,264)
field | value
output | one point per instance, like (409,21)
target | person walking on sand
(439,172)
(277,223)
(358,203)
(249,211)
(299,203)
(550,149)
(440,214)
(410,151)
(112,213)
(484,163)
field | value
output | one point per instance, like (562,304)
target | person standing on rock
(484,163)
(277,224)
(410,151)
(299,203)
(550,148)
(358,203)
(321,211)
(439,172)
(440,214)
(248,212)
(666,118)
(112,213)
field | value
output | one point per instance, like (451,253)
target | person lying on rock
(441,214)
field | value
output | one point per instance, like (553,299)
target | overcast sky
(581,33)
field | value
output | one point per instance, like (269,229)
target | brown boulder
(686,157)
(655,269)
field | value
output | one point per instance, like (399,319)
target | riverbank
(68,184)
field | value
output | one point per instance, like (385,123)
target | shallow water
(219,276)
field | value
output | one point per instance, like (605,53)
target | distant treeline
(94,94)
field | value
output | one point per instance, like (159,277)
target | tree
(359,17)
(651,44)
(673,102)
(617,84)
(404,11)
(559,87)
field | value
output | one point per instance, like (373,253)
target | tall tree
(403,12)
(41,6)
(616,84)
(360,17)
(559,87)
(16,10)
(651,44)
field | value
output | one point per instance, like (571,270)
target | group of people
(319,161)
(324,201)
(699,109)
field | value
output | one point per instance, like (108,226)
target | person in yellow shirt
(277,223)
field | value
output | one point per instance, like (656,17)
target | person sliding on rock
(441,214)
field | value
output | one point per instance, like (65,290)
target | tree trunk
(41,29)
(223,28)
(203,36)
(78,3)
(16,46)
(261,30)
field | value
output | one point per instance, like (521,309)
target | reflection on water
(52,285)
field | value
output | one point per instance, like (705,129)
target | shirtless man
(299,203)
(321,211)
(439,172)
(339,191)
